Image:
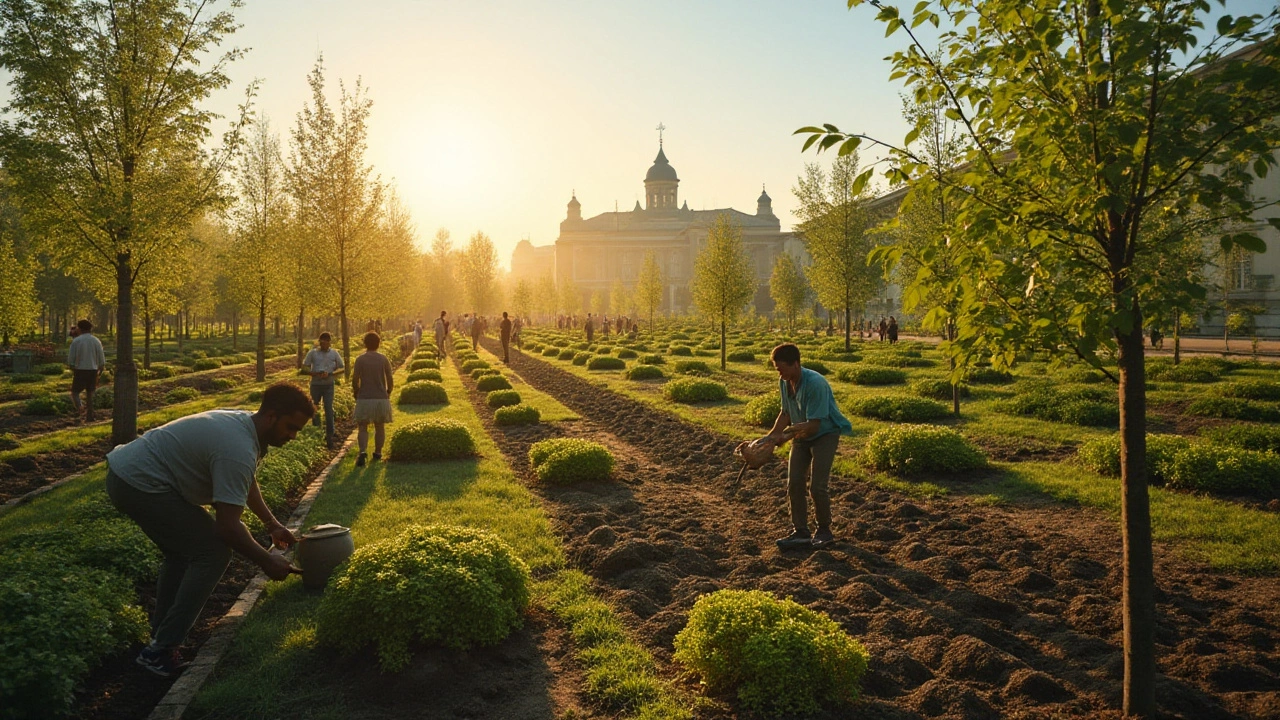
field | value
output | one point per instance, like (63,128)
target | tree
(18,308)
(106,140)
(479,271)
(1085,120)
(547,297)
(723,280)
(835,223)
(442,279)
(339,200)
(649,287)
(788,288)
(522,299)
(570,296)
(600,302)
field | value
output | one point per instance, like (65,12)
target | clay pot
(320,550)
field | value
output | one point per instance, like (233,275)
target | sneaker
(796,540)
(162,662)
(377,457)
(823,537)
(360,460)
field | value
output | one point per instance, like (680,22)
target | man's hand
(282,538)
(277,567)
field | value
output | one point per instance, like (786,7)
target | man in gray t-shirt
(164,479)
(323,364)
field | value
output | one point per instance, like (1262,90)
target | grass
(275,668)
(549,409)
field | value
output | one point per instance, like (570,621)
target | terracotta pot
(320,550)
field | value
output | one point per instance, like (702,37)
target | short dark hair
(372,341)
(84,325)
(786,353)
(325,335)
(286,399)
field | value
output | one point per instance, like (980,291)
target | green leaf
(812,139)
(1274,222)
(860,182)
(849,146)
(1260,167)
(808,129)
(1250,242)
(1224,24)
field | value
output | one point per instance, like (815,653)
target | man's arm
(229,529)
(386,373)
(280,534)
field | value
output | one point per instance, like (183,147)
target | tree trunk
(301,316)
(1177,338)
(124,411)
(346,337)
(178,327)
(261,371)
(146,331)
(235,330)
(847,328)
(722,350)
(951,361)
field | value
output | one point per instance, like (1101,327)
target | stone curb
(184,689)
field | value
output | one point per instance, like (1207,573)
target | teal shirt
(814,401)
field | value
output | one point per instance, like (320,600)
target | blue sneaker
(163,662)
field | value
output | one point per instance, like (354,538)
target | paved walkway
(1268,350)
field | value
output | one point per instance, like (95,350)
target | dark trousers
(810,460)
(323,393)
(506,348)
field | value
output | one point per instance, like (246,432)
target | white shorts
(373,411)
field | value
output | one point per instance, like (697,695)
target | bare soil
(968,611)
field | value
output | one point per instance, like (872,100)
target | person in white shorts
(371,384)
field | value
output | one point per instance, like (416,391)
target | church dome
(661,169)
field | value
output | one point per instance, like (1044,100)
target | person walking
(163,480)
(883,329)
(893,330)
(590,328)
(440,328)
(813,423)
(477,329)
(322,363)
(417,333)
(516,326)
(371,384)
(86,359)
(504,334)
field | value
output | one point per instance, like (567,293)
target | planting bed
(967,610)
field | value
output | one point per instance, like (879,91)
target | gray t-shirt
(85,353)
(206,458)
(329,361)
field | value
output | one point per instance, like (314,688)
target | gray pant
(194,557)
(323,392)
(819,453)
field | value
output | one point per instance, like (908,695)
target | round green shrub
(680,350)
(652,360)
(163,372)
(1251,390)
(816,366)
(482,372)
(181,394)
(569,460)
(937,389)
(426,374)
(551,351)
(199,354)
(645,372)
(423,392)
(1225,470)
(678,336)
(20,378)
(627,354)
(741,356)
(255,396)
(898,408)
(47,405)
(517,415)
(425,364)
(206,364)
(692,390)
(431,439)
(1102,455)
(606,362)
(1191,370)
(1235,408)
(567,354)
(582,357)
(780,658)
(560,343)
(470,365)
(53,369)
(104,398)
(872,376)
(224,383)
(502,398)
(763,410)
(1080,374)
(1264,438)
(489,383)
(910,449)
(451,586)
(581,346)
(1084,405)
(692,367)
(988,376)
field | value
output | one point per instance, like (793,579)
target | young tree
(788,288)
(522,298)
(18,309)
(600,302)
(649,287)
(106,140)
(1085,120)
(835,223)
(547,297)
(723,281)
(442,278)
(479,271)
(570,296)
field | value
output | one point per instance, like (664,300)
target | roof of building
(661,169)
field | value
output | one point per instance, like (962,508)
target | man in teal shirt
(812,420)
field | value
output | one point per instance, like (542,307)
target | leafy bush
(57,620)
(493,382)
(910,449)
(645,372)
(426,374)
(206,364)
(470,365)
(54,369)
(423,392)
(988,376)
(425,364)
(692,390)
(817,367)
(1080,374)
(180,395)
(255,396)
(898,408)
(627,354)
(9,441)
(431,439)
(288,468)
(741,356)
(26,378)
(1234,408)
(163,372)
(551,351)
(652,360)
(224,383)
(452,586)
(872,376)
(1225,470)
(779,657)
(569,460)
(680,350)
(937,389)
(582,357)
(567,354)
(560,343)
(1251,390)
(606,362)
(517,415)
(47,405)
(763,410)
(502,398)
(1103,455)
(581,346)
(1080,405)
(1180,373)
(1264,438)
(482,372)
(692,367)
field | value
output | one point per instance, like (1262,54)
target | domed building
(597,251)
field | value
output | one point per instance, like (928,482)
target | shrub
(581,346)
(164,372)
(424,365)
(627,354)
(47,405)
(1080,374)
(779,657)
(898,408)
(1079,405)
(569,460)
(763,410)
(606,362)
(431,439)
(484,372)
(692,390)
(560,343)
(452,586)
(1264,438)
(54,369)
(517,415)
(1225,470)
(645,372)
(937,389)
(1103,455)
(199,354)
(652,360)
(224,383)
(741,356)
(680,350)
(255,396)
(489,383)
(1251,390)
(206,364)
(872,376)
(988,376)
(470,365)
(181,394)
(57,620)
(910,449)
(26,378)
(692,367)
(816,366)
(551,351)
(426,374)
(502,398)
(423,392)
(1234,408)
(567,354)
(582,357)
